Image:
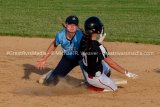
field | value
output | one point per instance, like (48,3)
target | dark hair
(86,41)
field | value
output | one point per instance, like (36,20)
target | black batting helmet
(93,25)
(72,20)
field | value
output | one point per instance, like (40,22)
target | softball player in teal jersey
(69,39)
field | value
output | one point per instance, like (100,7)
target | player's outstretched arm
(118,68)
(42,61)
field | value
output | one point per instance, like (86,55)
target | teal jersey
(69,47)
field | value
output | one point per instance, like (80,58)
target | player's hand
(102,37)
(41,63)
(130,75)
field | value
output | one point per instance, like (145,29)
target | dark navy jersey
(92,55)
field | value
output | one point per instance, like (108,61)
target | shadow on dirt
(66,86)
(29,69)
(157,70)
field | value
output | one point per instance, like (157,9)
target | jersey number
(85,62)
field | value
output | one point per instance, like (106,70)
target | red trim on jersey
(89,76)
(105,85)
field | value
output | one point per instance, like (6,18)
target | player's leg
(106,69)
(106,83)
(62,69)
(44,77)
(101,81)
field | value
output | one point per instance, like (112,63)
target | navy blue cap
(72,20)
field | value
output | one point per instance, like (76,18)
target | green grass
(125,20)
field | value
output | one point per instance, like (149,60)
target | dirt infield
(18,76)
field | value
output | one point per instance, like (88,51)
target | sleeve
(103,53)
(57,40)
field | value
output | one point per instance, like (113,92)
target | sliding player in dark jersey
(93,53)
